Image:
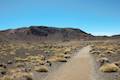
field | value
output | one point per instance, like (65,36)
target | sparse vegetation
(24,58)
(22,54)
(7,78)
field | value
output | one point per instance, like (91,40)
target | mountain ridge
(45,33)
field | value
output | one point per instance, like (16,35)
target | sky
(98,17)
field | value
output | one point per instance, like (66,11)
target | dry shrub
(27,76)
(103,60)
(41,69)
(29,58)
(20,65)
(109,68)
(18,59)
(63,55)
(34,59)
(14,70)
(57,59)
(109,52)
(2,70)
(60,55)
(101,55)
(12,53)
(18,74)
(60,59)
(95,52)
(67,51)
(22,76)
(7,78)
(67,56)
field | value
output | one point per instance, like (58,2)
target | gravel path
(78,68)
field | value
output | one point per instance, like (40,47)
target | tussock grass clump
(60,55)
(103,60)
(109,68)
(20,65)
(36,59)
(14,70)
(22,76)
(95,52)
(109,52)
(18,59)
(26,76)
(12,53)
(101,55)
(18,74)
(67,56)
(41,69)
(67,51)
(7,78)
(58,58)
(29,58)
(2,70)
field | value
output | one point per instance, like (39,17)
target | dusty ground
(31,58)
(108,51)
(61,60)
(78,68)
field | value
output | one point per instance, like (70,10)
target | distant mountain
(44,33)
(116,36)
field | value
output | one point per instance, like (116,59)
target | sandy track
(78,68)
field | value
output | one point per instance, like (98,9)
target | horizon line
(92,33)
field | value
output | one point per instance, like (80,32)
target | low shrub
(41,69)
(109,68)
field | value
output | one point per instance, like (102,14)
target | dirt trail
(78,68)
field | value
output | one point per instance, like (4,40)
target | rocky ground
(106,56)
(33,61)
(36,61)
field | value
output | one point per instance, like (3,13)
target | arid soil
(100,60)
(106,56)
(34,61)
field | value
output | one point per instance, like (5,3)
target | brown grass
(109,68)
(41,69)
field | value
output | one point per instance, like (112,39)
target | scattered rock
(67,56)
(95,52)
(9,62)
(2,71)
(49,63)
(3,65)
(103,60)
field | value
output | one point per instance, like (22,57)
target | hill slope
(44,33)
